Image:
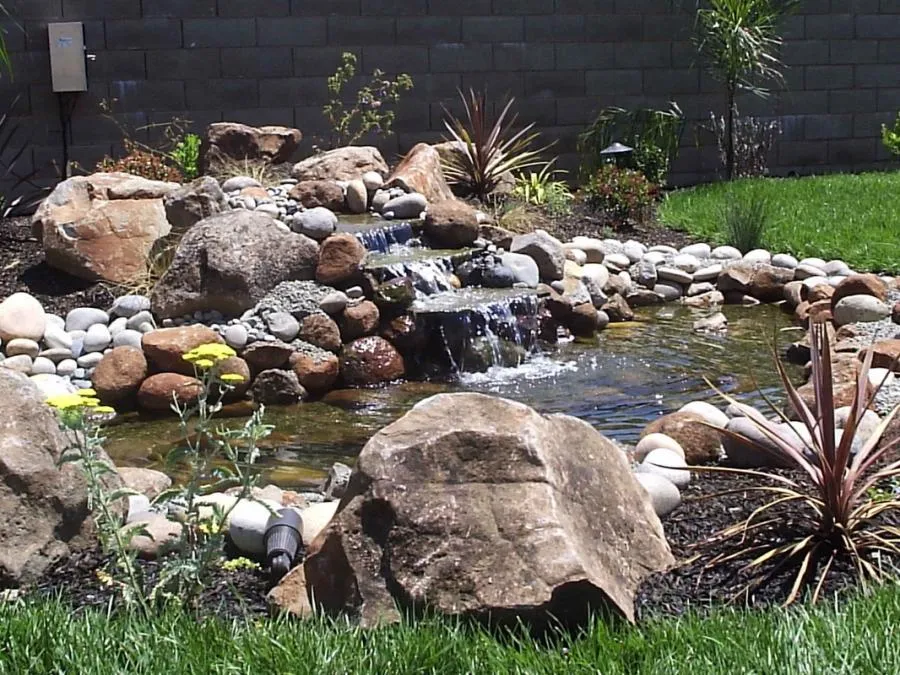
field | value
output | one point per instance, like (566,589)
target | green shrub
(540,188)
(745,221)
(186,154)
(620,195)
(890,136)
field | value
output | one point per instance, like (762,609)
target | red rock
(371,360)
(700,442)
(312,193)
(420,171)
(316,372)
(359,320)
(226,141)
(119,374)
(860,284)
(340,259)
(267,355)
(321,331)
(158,392)
(165,347)
(885,354)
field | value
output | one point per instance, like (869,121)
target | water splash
(383,239)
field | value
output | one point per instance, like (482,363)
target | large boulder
(371,360)
(701,442)
(420,171)
(159,392)
(165,347)
(451,224)
(229,262)
(317,370)
(191,203)
(478,506)
(119,374)
(340,260)
(44,514)
(229,141)
(313,193)
(545,250)
(103,226)
(347,163)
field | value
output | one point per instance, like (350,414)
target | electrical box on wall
(67,56)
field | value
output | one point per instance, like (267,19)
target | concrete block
(293,31)
(259,62)
(79,10)
(221,93)
(555,84)
(823,127)
(498,85)
(428,30)
(200,33)
(457,57)
(117,65)
(143,34)
(805,52)
(318,61)
(325,7)
(585,6)
(183,64)
(366,30)
(493,29)
(523,7)
(585,56)
(147,95)
(34,9)
(878,26)
(179,9)
(858,51)
(852,100)
(555,28)
(643,55)
(282,91)
(615,27)
(524,56)
(852,152)
(599,82)
(394,59)
(394,7)
(881,75)
(830,26)
(238,9)
(828,77)
(671,81)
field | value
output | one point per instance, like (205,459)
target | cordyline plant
(845,512)
(488,151)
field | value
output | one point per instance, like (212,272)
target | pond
(630,375)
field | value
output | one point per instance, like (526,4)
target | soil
(694,584)
(22,268)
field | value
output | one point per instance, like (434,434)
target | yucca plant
(543,188)
(488,151)
(837,510)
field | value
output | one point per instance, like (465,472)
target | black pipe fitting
(284,542)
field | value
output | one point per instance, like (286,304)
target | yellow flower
(90,402)
(65,401)
(203,364)
(105,410)
(87,392)
(213,352)
(232,378)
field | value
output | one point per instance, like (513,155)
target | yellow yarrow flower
(104,410)
(65,401)
(87,392)
(231,378)
(209,352)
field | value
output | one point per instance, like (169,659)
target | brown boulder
(44,513)
(767,282)
(701,443)
(165,347)
(191,203)
(321,331)
(451,224)
(371,360)
(346,163)
(478,506)
(895,313)
(277,387)
(420,171)
(405,333)
(736,278)
(844,374)
(148,482)
(617,309)
(119,374)
(317,372)
(584,321)
(228,141)
(819,293)
(340,259)
(236,366)
(312,193)
(103,226)
(290,595)
(229,262)
(885,354)
(820,311)
(267,355)
(359,320)
(860,284)
(158,392)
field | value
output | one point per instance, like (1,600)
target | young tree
(740,42)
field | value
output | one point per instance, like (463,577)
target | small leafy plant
(141,162)
(890,137)
(620,195)
(541,188)
(745,222)
(369,112)
(186,155)
(487,152)
(836,513)
(752,142)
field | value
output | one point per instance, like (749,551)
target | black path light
(617,153)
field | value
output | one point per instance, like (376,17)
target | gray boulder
(191,203)
(229,262)
(546,251)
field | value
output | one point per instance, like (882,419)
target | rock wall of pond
(266,63)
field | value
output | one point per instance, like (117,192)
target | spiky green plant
(835,511)
(745,221)
(488,151)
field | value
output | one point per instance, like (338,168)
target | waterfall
(381,239)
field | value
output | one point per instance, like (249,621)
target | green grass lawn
(852,217)
(859,637)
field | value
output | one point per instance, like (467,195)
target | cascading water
(428,269)
(382,239)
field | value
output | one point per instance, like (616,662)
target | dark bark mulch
(22,268)
(231,595)
(695,585)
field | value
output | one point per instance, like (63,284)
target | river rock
(97,338)
(236,336)
(56,337)
(420,171)
(267,355)
(669,290)
(160,536)
(322,331)
(229,262)
(22,346)
(103,226)
(456,544)
(277,387)
(784,260)
(668,464)
(318,193)
(371,360)
(357,196)
(726,253)
(148,482)
(618,310)
(43,366)
(283,326)
(359,320)
(158,392)
(82,318)
(758,255)
(451,224)
(524,268)
(317,372)
(344,164)
(708,273)
(128,338)
(340,260)
(746,447)
(859,308)
(885,354)
(545,250)
(189,204)
(21,363)
(700,443)
(405,207)
(165,347)
(22,316)
(317,223)
(664,496)
(44,513)
(226,142)
(290,596)
(714,323)
(767,282)
(706,411)
(859,284)
(334,302)
(653,441)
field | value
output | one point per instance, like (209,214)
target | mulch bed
(22,268)
(693,585)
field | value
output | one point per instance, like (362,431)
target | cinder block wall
(265,62)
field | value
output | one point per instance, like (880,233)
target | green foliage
(186,155)
(654,134)
(740,42)
(541,188)
(745,222)
(890,137)
(368,112)
(833,515)
(848,216)
(620,195)
(212,458)
(488,151)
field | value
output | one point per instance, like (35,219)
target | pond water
(631,374)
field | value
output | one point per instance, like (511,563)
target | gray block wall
(265,62)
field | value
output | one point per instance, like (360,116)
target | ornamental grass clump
(837,510)
(211,458)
